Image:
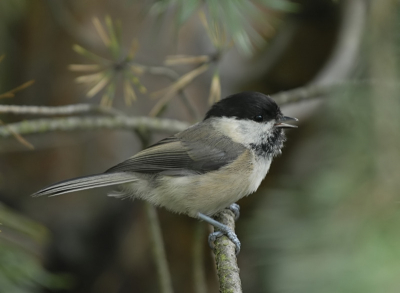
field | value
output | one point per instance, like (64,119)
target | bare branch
(59,110)
(225,257)
(345,54)
(92,123)
(119,121)
(303,93)
(291,96)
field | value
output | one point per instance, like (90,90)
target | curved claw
(230,234)
(235,208)
(212,237)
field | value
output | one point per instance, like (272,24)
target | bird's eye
(258,118)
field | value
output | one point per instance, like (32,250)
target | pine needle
(18,137)
(185,59)
(84,67)
(101,31)
(98,87)
(86,53)
(172,90)
(129,93)
(11,93)
(215,89)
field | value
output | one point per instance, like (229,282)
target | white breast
(260,170)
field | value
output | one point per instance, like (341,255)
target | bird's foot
(224,230)
(235,209)
(228,233)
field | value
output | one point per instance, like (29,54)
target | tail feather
(87,182)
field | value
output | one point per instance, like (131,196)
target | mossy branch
(225,257)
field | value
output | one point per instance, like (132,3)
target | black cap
(246,105)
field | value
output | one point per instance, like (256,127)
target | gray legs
(225,230)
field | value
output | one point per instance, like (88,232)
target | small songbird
(203,169)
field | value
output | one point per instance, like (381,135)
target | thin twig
(303,93)
(58,110)
(91,123)
(11,93)
(315,91)
(200,284)
(225,257)
(158,250)
(159,255)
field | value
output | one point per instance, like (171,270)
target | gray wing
(192,151)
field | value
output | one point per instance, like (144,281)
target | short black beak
(280,124)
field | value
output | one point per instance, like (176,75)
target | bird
(203,169)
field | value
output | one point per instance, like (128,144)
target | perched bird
(203,169)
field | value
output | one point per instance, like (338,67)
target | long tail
(86,182)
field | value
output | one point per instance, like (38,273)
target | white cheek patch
(229,127)
(244,131)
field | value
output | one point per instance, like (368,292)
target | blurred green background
(324,220)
